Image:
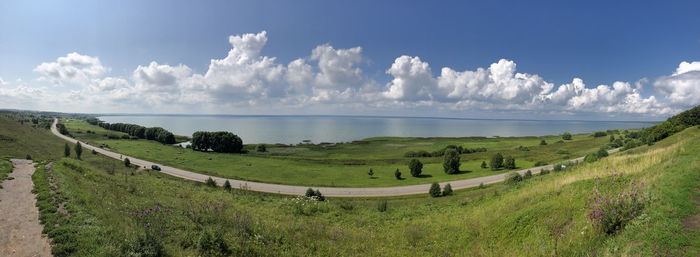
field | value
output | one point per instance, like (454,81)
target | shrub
(416,167)
(66,150)
(558,167)
(210,182)
(382,206)
(544,172)
(528,175)
(212,244)
(451,162)
(78,150)
(227,185)
(602,153)
(496,161)
(147,245)
(513,178)
(310,192)
(447,190)
(591,157)
(435,190)
(261,148)
(509,163)
(484,165)
(314,194)
(127,162)
(370,173)
(600,134)
(28,157)
(94,152)
(318,196)
(610,213)
(543,142)
(540,163)
(566,136)
(397,174)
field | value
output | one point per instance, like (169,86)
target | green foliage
(210,182)
(127,162)
(147,245)
(513,178)
(496,161)
(78,150)
(220,142)
(509,163)
(382,206)
(416,167)
(451,162)
(211,243)
(528,174)
(447,190)
(137,131)
(543,142)
(66,150)
(435,190)
(599,134)
(611,213)
(314,194)
(28,157)
(227,185)
(558,167)
(566,136)
(261,148)
(370,173)
(397,174)
(484,165)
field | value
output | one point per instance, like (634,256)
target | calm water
(294,129)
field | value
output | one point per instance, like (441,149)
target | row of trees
(153,133)
(441,152)
(221,142)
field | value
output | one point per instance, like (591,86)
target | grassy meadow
(345,164)
(92,209)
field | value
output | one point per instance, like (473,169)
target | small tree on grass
(566,136)
(435,190)
(397,174)
(496,161)
(127,162)
(451,161)
(543,142)
(416,167)
(484,165)
(509,163)
(210,182)
(227,185)
(382,206)
(447,190)
(319,196)
(370,173)
(66,150)
(94,152)
(28,157)
(310,192)
(261,148)
(513,178)
(528,175)
(78,150)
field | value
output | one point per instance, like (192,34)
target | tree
(78,150)
(566,136)
(513,178)
(509,163)
(447,190)
(227,185)
(483,165)
(319,196)
(543,142)
(451,161)
(127,162)
(66,150)
(261,148)
(370,173)
(28,157)
(612,138)
(397,174)
(602,153)
(94,152)
(416,167)
(310,192)
(210,182)
(496,161)
(528,174)
(435,190)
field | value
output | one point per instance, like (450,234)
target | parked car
(155,167)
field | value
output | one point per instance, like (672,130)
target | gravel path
(300,190)
(20,230)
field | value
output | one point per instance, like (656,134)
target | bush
(543,142)
(435,190)
(310,192)
(484,165)
(66,150)
(513,178)
(509,163)
(314,194)
(210,182)
(212,244)
(416,167)
(261,148)
(600,134)
(602,153)
(220,142)
(370,173)
(540,163)
(497,161)
(227,185)
(397,174)
(451,162)
(382,206)
(610,213)
(558,167)
(544,172)
(144,246)
(447,190)
(94,152)
(78,150)
(127,162)
(528,175)
(28,157)
(566,136)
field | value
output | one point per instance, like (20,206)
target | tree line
(220,142)
(153,133)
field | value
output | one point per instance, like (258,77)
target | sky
(607,60)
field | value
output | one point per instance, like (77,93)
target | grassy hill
(91,210)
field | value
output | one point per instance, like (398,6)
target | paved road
(20,230)
(300,190)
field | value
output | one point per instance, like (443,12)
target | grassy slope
(17,140)
(543,216)
(345,164)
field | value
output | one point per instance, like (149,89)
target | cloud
(72,68)
(683,86)
(332,78)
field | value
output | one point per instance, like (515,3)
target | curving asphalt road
(300,190)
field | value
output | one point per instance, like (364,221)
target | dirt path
(20,231)
(300,190)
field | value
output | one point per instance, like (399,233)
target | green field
(345,165)
(106,213)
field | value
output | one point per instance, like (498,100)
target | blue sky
(600,42)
